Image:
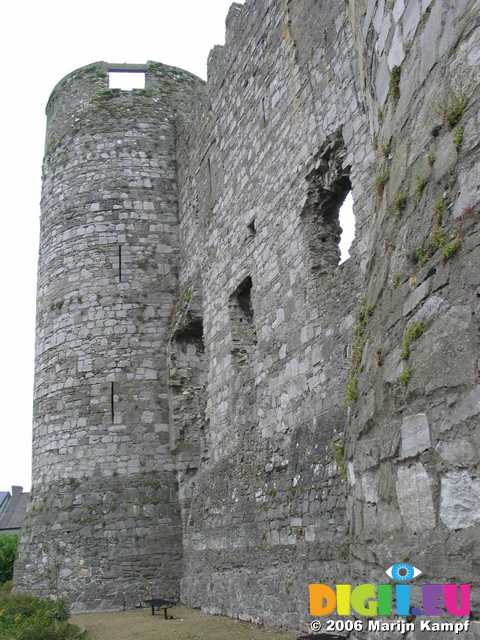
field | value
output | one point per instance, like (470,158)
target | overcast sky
(40,43)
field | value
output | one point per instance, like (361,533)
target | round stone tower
(103,529)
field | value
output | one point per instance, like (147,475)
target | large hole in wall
(328,188)
(347,224)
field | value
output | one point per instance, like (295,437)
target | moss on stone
(413,333)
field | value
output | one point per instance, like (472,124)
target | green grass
(187,624)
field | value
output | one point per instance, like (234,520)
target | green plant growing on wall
(451,248)
(457,137)
(365,312)
(386,149)
(394,88)
(405,376)
(381,180)
(413,333)
(351,393)
(430,159)
(438,237)
(102,97)
(454,108)
(420,184)
(399,203)
(421,256)
(396,280)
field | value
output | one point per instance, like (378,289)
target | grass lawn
(188,624)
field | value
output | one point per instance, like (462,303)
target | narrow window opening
(112,401)
(347,224)
(264,114)
(251,228)
(244,342)
(244,337)
(126,80)
(119,262)
(210,178)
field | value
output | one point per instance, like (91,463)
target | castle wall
(265,514)
(103,527)
(331,456)
(279,419)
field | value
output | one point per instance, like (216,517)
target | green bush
(24,617)
(8,551)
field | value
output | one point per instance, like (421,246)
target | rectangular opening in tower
(126,80)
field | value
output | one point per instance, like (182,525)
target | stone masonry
(222,411)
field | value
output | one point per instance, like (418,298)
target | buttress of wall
(260,175)
(414,436)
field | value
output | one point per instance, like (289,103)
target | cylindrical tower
(104,528)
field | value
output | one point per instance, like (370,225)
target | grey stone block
(414,493)
(460,500)
(415,435)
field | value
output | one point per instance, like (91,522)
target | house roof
(4,495)
(12,515)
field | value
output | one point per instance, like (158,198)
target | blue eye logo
(403,572)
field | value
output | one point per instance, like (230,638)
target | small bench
(161,603)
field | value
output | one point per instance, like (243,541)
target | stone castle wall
(323,418)
(296,487)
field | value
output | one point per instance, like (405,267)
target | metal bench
(161,603)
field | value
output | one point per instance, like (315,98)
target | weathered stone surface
(458,452)
(415,435)
(397,53)
(466,408)
(417,295)
(415,497)
(460,500)
(411,19)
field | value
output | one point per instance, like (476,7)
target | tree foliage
(8,551)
